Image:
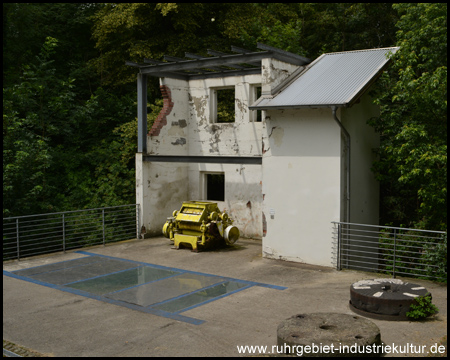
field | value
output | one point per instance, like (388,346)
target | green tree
(134,31)
(69,107)
(27,25)
(114,175)
(413,122)
(55,144)
(311,29)
(26,131)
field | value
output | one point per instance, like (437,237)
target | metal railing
(46,233)
(390,250)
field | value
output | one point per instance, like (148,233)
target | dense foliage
(413,122)
(69,101)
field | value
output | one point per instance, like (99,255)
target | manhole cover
(386,299)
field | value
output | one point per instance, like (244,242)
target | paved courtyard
(142,298)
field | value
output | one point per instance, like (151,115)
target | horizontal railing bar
(59,233)
(400,253)
(389,227)
(98,215)
(38,222)
(122,223)
(25,242)
(45,233)
(414,268)
(37,227)
(111,221)
(356,231)
(398,237)
(385,249)
(403,246)
(69,212)
(365,267)
(389,243)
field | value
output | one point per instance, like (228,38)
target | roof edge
(298,73)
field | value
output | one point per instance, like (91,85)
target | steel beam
(206,62)
(255,160)
(142,112)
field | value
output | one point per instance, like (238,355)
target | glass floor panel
(57,266)
(165,289)
(153,289)
(102,266)
(184,302)
(121,280)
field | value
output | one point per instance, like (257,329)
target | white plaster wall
(162,186)
(173,137)
(189,131)
(274,72)
(159,189)
(243,198)
(364,188)
(241,138)
(301,184)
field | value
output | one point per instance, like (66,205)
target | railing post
(138,229)
(64,232)
(17,236)
(339,248)
(347,245)
(103,224)
(395,246)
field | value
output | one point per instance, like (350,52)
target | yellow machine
(200,223)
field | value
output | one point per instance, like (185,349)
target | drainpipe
(347,138)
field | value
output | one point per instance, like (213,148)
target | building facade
(281,144)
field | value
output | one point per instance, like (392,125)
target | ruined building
(279,141)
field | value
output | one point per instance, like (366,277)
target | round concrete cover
(387,299)
(325,329)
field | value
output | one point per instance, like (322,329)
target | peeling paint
(180,141)
(241,105)
(235,147)
(264,221)
(263,148)
(161,120)
(200,103)
(176,131)
(270,253)
(181,123)
(277,135)
(193,133)
(265,79)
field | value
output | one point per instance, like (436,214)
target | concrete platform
(57,323)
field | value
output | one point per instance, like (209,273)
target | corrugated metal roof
(333,79)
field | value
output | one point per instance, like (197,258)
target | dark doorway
(215,187)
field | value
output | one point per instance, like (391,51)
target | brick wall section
(161,120)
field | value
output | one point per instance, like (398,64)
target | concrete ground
(56,323)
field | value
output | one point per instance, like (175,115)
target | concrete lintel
(256,160)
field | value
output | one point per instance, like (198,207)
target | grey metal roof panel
(333,79)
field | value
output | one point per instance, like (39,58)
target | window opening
(258,113)
(225,105)
(215,187)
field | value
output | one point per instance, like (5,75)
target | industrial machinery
(200,223)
